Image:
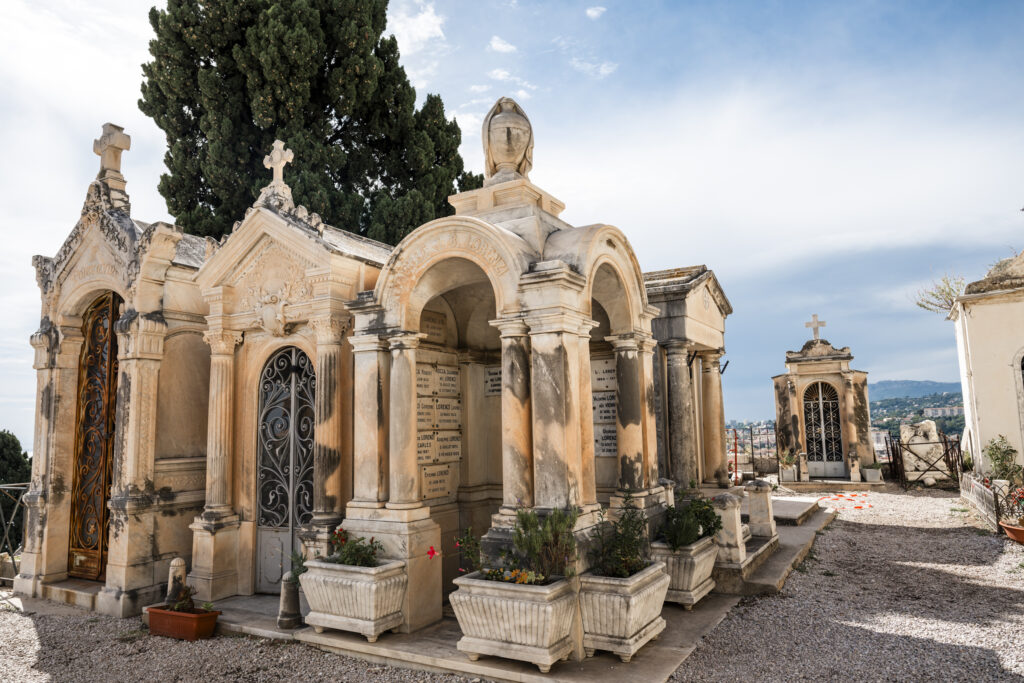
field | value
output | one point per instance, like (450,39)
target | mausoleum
(231,402)
(821,410)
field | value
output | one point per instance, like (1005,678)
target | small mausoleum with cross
(821,410)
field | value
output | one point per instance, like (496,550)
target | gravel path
(911,588)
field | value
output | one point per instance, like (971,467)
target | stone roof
(1006,274)
(190,251)
(818,349)
(356,246)
(680,281)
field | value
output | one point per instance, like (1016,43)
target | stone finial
(277,195)
(108,146)
(726,501)
(175,577)
(276,160)
(758,485)
(508,143)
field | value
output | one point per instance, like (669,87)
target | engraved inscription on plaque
(426,379)
(606,441)
(492,380)
(447,381)
(426,413)
(426,451)
(604,407)
(434,325)
(437,481)
(449,413)
(448,446)
(602,374)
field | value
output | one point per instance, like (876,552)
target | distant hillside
(909,389)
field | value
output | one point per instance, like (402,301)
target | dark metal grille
(94,430)
(286,425)
(821,419)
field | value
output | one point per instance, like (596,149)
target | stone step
(789,511)
(794,544)
(77,592)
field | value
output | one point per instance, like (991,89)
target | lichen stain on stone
(626,375)
(518,364)
(630,470)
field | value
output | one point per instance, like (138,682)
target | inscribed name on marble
(606,441)
(426,413)
(604,407)
(447,380)
(426,379)
(426,451)
(602,374)
(437,481)
(449,413)
(492,380)
(435,326)
(448,446)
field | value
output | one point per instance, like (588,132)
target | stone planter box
(787,474)
(622,615)
(528,623)
(689,569)
(871,474)
(365,600)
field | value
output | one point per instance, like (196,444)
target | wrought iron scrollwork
(286,429)
(821,420)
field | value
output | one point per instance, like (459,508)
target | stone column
(587,455)
(516,427)
(215,532)
(404,476)
(630,408)
(371,380)
(130,557)
(762,518)
(682,428)
(645,348)
(715,468)
(731,547)
(327,439)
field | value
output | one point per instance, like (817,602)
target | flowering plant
(1013,505)
(357,552)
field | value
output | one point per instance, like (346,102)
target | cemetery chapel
(230,402)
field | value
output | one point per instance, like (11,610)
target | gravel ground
(911,588)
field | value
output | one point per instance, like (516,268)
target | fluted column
(371,380)
(645,350)
(219,431)
(516,426)
(713,418)
(404,479)
(327,439)
(682,427)
(588,469)
(629,408)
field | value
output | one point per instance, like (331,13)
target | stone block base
(122,604)
(543,657)
(690,598)
(729,577)
(625,648)
(371,628)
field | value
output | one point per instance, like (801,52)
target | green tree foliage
(228,77)
(939,298)
(15,468)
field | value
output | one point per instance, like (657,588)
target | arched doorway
(824,432)
(285,468)
(94,440)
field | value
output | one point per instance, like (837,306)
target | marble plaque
(447,380)
(437,481)
(426,413)
(602,374)
(448,446)
(426,379)
(435,326)
(426,451)
(604,407)
(606,441)
(492,380)
(449,413)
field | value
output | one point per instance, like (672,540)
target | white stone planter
(787,474)
(366,600)
(689,569)
(622,615)
(871,474)
(515,621)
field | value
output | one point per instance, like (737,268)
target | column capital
(623,342)
(222,342)
(140,335)
(558,320)
(677,346)
(329,329)
(368,342)
(511,327)
(711,358)
(405,340)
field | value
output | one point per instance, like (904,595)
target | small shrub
(1003,457)
(469,550)
(298,567)
(355,552)
(620,550)
(545,546)
(689,523)
(787,459)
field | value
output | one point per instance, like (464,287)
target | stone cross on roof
(109,146)
(815,324)
(277,159)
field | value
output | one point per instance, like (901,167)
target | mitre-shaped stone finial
(508,143)
(108,147)
(277,195)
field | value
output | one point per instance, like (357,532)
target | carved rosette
(222,342)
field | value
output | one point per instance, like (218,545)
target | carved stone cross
(276,160)
(109,146)
(815,324)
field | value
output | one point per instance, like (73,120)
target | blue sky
(821,157)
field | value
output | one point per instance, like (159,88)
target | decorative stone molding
(329,330)
(140,336)
(222,342)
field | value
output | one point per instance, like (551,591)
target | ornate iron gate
(285,476)
(94,440)
(824,432)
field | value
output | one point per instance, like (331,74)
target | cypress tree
(228,77)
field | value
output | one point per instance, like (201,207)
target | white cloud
(479,88)
(497,44)
(522,94)
(419,30)
(595,13)
(596,69)
(507,77)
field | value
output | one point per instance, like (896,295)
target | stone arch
(831,444)
(406,284)
(74,301)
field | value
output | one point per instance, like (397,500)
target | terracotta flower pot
(1015,533)
(182,625)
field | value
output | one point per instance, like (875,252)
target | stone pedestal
(761,517)
(732,549)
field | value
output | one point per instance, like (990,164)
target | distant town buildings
(947,411)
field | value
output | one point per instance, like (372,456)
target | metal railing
(11,524)
(950,456)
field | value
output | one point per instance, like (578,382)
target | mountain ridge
(905,388)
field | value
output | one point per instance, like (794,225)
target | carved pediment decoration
(270,280)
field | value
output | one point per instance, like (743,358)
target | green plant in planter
(543,547)
(788,459)
(356,552)
(689,523)
(620,550)
(298,567)
(1003,457)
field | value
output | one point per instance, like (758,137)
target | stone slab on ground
(790,510)
(434,649)
(828,485)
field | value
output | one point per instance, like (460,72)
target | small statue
(508,142)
